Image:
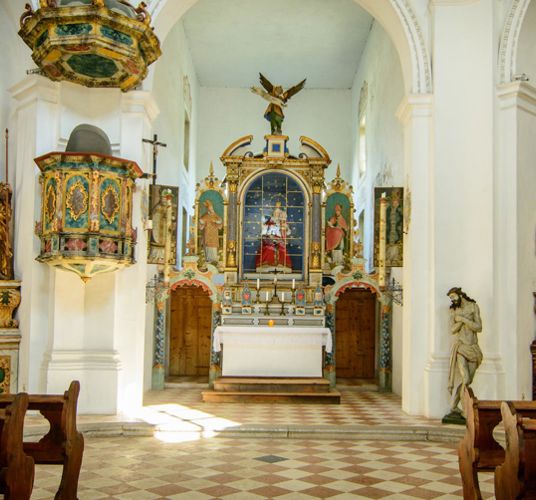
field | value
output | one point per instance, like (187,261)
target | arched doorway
(355,334)
(189,332)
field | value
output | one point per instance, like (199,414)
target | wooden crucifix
(156,144)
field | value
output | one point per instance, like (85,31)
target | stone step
(271,384)
(333,397)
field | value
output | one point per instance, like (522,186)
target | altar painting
(394,232)
(338,229)
(273,226)
(156,240)
(210,209)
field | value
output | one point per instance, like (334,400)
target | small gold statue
(6,251)
(277,97)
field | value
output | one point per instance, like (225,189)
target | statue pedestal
(9,360)
(454,417)
(9,301)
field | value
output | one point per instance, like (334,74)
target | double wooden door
(355,332)
(190,329)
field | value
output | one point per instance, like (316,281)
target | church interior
(306,228)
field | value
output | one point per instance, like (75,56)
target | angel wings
(277,97)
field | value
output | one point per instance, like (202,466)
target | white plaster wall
(526,52)
(168,90)
(526,246)
(380,68)
(226,114)
(15,60)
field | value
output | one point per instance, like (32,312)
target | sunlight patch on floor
(176,423)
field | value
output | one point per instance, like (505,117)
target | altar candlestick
(382,242)
(258,283)
(293,283)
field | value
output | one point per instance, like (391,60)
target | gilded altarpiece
(394,219)
(210,214)
(338,224)
(10,297)
(157,234)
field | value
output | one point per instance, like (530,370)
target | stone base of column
(158,378)
(97,372)
(385,380)
(436,394)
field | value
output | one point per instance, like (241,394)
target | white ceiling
(231,41)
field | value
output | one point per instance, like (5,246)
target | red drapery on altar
(272,253)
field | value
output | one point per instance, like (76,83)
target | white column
(515,220)
(462,190)
(415,113)
(37,112)
(138,111)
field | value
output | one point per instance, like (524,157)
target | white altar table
(264,351)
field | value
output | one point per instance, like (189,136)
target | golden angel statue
(277,97)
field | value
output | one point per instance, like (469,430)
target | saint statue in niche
(210,224)
(272,253)
(336,231)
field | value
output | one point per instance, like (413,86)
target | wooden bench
(16,468)
(478,450)
(516,477)
(63,444)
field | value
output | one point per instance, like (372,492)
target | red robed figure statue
(272,252)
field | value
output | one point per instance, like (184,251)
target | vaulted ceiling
(231,41)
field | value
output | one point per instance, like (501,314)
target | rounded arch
(509,40)
(397,17)
(197,281)
(341,286)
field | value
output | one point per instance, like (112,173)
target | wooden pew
(16,468)
(63,444)
(478,451)
(516,477)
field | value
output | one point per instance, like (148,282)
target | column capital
(35,87)
(521,95)
(415,105)
(140,101)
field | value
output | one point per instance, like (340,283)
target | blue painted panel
(252,230)
(295,199)
(253,198)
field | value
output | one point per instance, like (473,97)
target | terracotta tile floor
(147,468)
(183,458)
(358,407)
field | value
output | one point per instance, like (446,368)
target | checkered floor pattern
(236,469)
(357,407)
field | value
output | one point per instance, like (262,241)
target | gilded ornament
(92,239)
(9,301)
(76,200)
(6,249)
(231,253)
(109,204)
(5,374)
(50,203)
(102,43)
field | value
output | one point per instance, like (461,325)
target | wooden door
(355,332)
(190,328)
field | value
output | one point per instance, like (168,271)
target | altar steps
(271,390)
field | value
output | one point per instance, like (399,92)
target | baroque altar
(272,245)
